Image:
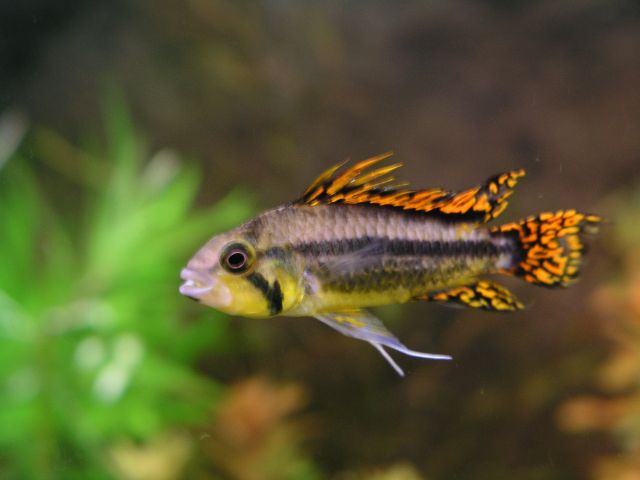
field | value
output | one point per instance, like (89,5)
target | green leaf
(90,318)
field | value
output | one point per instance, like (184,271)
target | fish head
(232,274)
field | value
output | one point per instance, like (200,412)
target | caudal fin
(550,246)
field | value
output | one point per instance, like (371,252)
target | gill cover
(231,274)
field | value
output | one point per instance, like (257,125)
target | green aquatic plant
(96,345)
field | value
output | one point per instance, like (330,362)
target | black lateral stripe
(279,253)
(272,293)
(383,245)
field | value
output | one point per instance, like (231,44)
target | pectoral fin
(483,294)
(364,326)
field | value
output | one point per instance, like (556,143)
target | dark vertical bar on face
(271,293)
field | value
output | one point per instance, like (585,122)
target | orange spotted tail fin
(551,247)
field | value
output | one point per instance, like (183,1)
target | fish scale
(368,240)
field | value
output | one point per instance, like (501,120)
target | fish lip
(189,289)
(196,284)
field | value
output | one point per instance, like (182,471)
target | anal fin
(483,294)
(362,325)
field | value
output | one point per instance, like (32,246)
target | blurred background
(130,132)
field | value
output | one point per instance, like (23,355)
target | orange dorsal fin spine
(361,185)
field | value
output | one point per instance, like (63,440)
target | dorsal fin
(360,185)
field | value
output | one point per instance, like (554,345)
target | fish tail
(549,247)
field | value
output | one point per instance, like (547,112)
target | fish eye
(236,258)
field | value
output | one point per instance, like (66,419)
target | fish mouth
(195,284)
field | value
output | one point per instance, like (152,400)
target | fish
(356,238)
